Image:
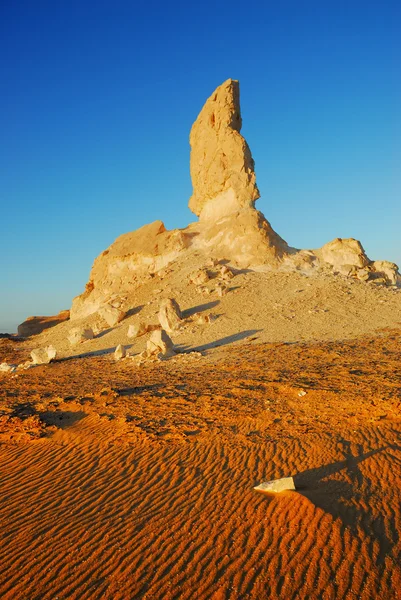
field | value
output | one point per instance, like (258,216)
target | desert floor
(121,482)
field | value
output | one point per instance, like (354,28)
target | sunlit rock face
(222,167)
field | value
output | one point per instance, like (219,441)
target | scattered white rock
(202,319)
(159,343)
(170,315)
(225,273)
(137,329)
(301,393)
(200,277)
(221,289)
(277,485)
(42,356)
(6,368)
(80,334)
(112,315)
(119,352)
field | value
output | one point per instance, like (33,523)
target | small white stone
(277,485)
(137,330)
(6,368)
(119,352)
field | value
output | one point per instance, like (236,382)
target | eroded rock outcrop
(222,167)
(229,226)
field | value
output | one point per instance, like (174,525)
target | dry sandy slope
(143,486)
(272,306)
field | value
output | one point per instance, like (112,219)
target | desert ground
(121,481)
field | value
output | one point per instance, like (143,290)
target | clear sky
(97,99)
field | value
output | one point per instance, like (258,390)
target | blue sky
(97,100)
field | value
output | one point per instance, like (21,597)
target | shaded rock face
(35,325)
(222,167)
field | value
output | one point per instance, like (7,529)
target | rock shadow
(62,419)
(345,499)
(101,352)
(59,418)
(136,391)
(230,339)
(199,308)
(133,311)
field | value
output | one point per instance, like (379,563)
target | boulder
(170,315)
(79,334)
(42,356)
(137,329)
(222,167)
(119,352)
(111,314)
(341,252)
(160,343)
(387,270)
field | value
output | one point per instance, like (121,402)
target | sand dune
(142,485)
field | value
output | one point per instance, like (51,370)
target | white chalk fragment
(277,485)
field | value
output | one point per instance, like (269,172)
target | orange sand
(119,482)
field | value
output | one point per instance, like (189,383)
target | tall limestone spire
(222,167)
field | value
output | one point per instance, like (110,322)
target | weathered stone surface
(170,315)
(277,485)
(111,315)
(42,356)
(79,334)
(137,329)
(245,238)
(387,270)
(222,168)
(160,343)
(35,325)
(119,352)
(124,265)
(344,252)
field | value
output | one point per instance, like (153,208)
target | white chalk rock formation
(119,353)
(277,485)
(79,334)
(341,252)
(42,356)
(170,315)
(229,227)
(222,167)
(160,343)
